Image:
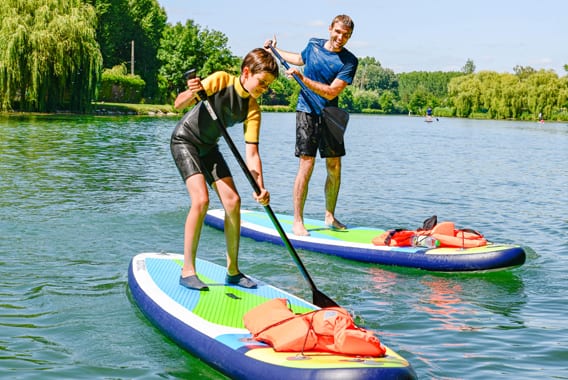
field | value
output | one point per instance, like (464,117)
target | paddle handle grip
(190,74)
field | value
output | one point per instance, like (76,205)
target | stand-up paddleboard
(355,243)
(210,325)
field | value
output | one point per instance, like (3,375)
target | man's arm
(328,92)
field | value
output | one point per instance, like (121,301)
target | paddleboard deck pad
(355,243)
(209,325)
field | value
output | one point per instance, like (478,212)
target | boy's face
(257,84)
(339,34)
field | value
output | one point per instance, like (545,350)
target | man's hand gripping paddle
(319,298)
(335,119)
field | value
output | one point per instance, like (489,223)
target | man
(328,68)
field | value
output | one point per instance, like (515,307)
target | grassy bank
(103,108)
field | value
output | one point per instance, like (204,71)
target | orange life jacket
(329,329)
(444,232)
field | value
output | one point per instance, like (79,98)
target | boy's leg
(231,201)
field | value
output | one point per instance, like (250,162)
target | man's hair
(259,60)
(345,20)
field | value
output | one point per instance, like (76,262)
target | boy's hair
(345,20)
(259,60)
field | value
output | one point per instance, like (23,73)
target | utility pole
(132,58)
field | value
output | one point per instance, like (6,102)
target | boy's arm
(254,164)
(188,97)
(184,99)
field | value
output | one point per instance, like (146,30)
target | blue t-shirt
(324,66)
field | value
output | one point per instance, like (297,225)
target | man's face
(339,34)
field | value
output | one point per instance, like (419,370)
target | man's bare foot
(335,224)
(299,230)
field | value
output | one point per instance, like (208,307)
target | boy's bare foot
(335,224)
(299,230)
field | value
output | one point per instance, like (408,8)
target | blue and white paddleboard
(355,243)
(209,325)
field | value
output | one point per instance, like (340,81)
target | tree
(418,87)
(523,72)
(280,92)
(187,46)
(114,30)
(387,102)
(373,77)
(465,94)
(522,95)
(122,21)
(150,21)
(469,67)
(49,57)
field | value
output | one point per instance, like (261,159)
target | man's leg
(332,184)
(305,170)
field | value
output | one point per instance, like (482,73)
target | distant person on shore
(194,146)
(328,68)
(540,118)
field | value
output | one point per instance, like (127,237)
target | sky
(403,35)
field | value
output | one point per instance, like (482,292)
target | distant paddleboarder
(429,114)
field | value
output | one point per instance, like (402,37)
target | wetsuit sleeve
(215,82)
(252,123)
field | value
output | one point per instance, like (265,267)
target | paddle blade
(321,300)
(336,121)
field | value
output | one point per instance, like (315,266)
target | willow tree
(49,57)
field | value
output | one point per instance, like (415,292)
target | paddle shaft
(334,117)
(309,95)
(319,298)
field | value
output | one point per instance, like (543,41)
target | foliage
(49,57)
(435,83)
(510,96)
(120,22)
(347,100)
(281,92)
(469,67)
(188,46)
(52,53)
(372,76)
(387,100)
(118,86)
(365,99)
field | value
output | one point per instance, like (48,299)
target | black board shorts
(312,135)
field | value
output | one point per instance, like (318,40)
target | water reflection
(55,161)
(458,302)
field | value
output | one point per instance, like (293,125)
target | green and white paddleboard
(210,326)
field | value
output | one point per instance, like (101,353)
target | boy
(196,154)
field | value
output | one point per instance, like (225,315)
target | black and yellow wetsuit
(195,138)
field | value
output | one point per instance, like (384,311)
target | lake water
(79,196)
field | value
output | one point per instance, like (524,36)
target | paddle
(335,118)
(319,298)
